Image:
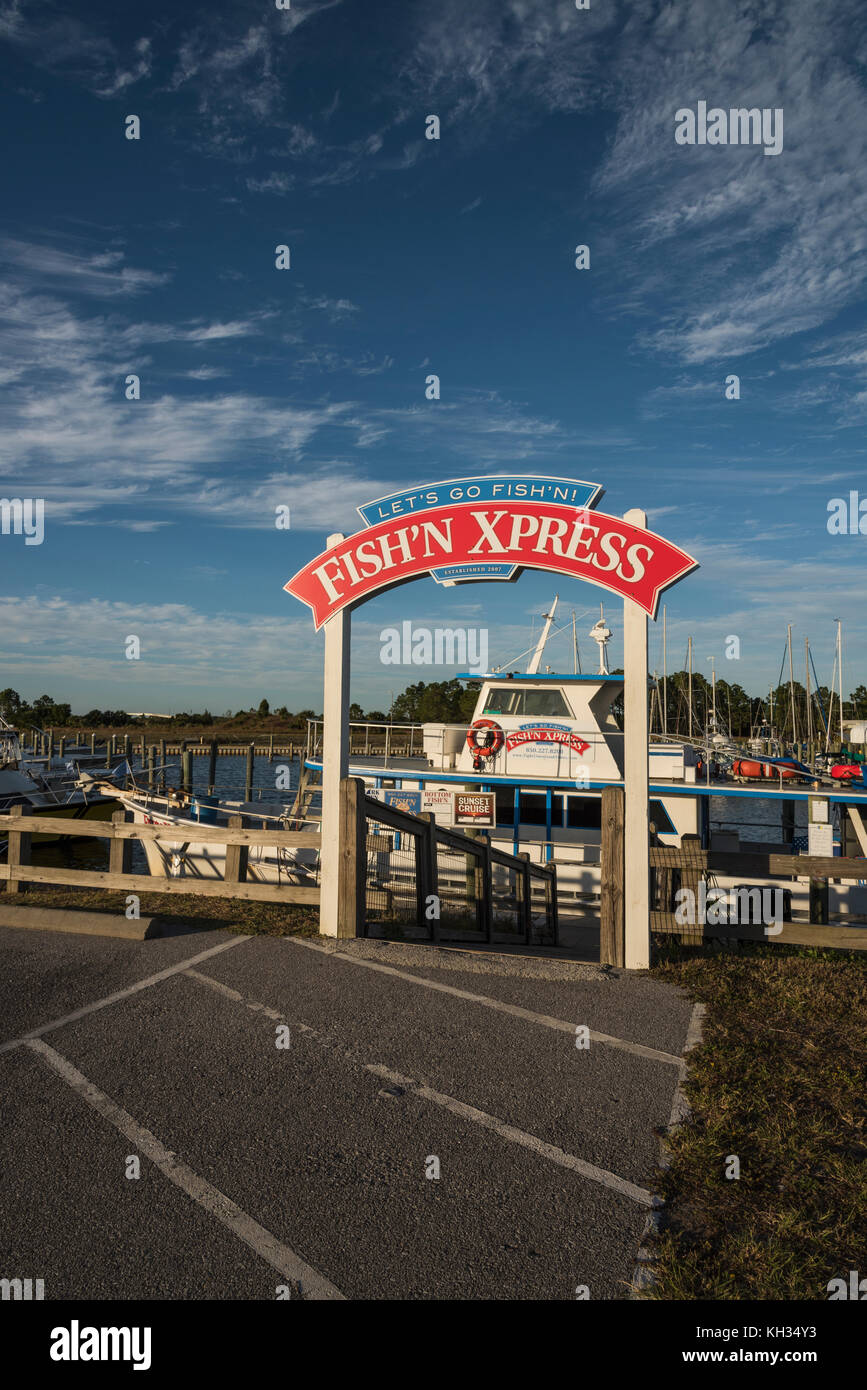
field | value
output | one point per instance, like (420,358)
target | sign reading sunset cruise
(490,528)
(474,808)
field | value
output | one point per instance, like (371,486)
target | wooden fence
(684,866)
(360,840)
(18,870)
(759,870)
(370,827)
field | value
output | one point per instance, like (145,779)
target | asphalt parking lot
(221,1117)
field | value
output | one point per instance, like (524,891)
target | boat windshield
(505,699)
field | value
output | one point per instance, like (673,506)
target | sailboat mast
(807,688)
(791,682)
(840,669)
(664,677)
(831,703)
(689,701)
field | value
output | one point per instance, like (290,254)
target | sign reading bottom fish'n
(482,529)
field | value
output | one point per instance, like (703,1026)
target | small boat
(49,787)
(182,855)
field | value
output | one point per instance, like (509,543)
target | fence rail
(18,870)
(400,874)
(674,868)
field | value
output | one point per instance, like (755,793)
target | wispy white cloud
(60,42)
(102,274)
(767,247)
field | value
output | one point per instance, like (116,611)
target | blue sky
(410,256)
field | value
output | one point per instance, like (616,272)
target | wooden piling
(819,901)
(212,767)
(18,852)
(612,915)
(524,890)
(119,851)
(426,875)
(186,768)
(248,787)
(236,855)
(352,869)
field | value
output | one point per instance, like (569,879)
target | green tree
(11,704)
(446,701)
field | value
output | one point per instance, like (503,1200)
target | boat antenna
(601,634)
(837,654)
(576,655)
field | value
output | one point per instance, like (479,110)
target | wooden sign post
(636,848)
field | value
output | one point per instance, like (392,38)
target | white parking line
(279,1256)
(519,1136)
(457,1107)
(561,1024)
(120,994)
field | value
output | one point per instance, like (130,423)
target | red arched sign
(474,541)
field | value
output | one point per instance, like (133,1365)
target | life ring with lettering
(485,738)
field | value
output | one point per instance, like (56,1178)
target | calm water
(756,820)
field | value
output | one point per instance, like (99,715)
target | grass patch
(779,1080)
(226,914)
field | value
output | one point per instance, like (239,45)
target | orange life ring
(489,745)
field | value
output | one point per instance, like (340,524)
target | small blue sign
(568,492)
(403,801)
